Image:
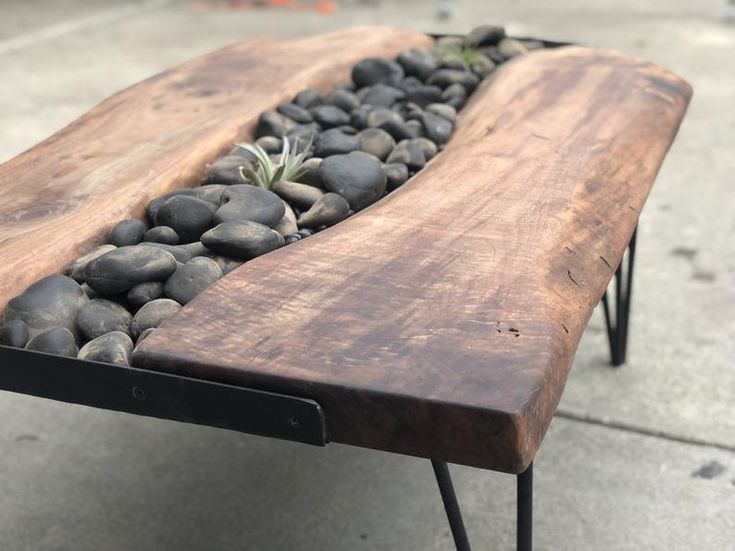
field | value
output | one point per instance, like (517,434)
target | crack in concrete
(625,427)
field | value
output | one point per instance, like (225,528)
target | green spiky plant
(267,172)
(467,54)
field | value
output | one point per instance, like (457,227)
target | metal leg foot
(524,515)
(454,515)
(617,329)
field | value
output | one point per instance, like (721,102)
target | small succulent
(267,172)
(467,54)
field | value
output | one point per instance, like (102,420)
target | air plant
(266,172)
(468,55)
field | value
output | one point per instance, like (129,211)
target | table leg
(524,513)
(617,329)
(451,506)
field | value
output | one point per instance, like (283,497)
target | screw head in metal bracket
(138,393)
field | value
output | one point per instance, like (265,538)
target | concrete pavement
(617,469)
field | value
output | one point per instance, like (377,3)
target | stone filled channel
(315,161)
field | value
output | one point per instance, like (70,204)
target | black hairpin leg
(617,329)
(524,519)
(446,488)
(524,514)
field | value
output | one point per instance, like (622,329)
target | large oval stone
(51,302)
(100,316)
(57,340)
(152,315)
(127,232)
(377,70)
(14,333)
(125,267)
(243,240)
(115,347)
(192,278)
(188,216)
(357,176)
(76,268)
(250,203)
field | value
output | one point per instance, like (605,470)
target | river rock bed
(315,161)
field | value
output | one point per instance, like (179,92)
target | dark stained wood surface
(442,321)
(64,195)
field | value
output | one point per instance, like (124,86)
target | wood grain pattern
(63,196)
(442,321)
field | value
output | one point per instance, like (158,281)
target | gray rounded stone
(396,175)
(359,115)
(100,316)
(390,121)
(436,128)
(152,315)
(144,335)
(298,195)
(329,116)
(308,98)
(357,176)
(50,302)
(377,70)
(310,177)
(343,99)
(271,144)
(424,95)
(115,348)
(125,267)
(272,123)
(417,62)
(188,216)
(180,252)
(250,203)
(330,209)
(127,232)
(14,333)
(295,112)
(224,171)
(446,77)
(482,66)
(76,268)
(143,293)
(443,110)
(409,153)
(242,240)
(510,47)
(287,224)
(212,193)
(162,234)
(56,340)
(455,95)
(484,35)
(335,142)
(191,279)
(416,128)
(91,293)
(382,95)
(225,263)
(154,205)
(376,141)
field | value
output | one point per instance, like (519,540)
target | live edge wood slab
(63,196)
(442,321)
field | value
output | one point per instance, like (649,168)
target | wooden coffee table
(441,322)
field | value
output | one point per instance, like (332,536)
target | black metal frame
(617,328)
(162,395)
